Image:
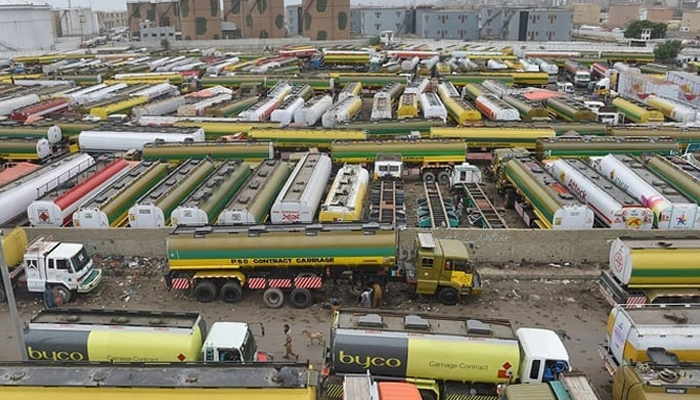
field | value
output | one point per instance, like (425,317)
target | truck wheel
(443,177)
(448,296)
(428,176)
(273,298)
(231,292)
(205,292)
(300,297)
(63,291)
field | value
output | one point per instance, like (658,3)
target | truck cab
(443,268)
(66,267)
(544,357)
(388,166)
(232,342)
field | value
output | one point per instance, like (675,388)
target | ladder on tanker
(486,213)
(388,203)
(357,387)
(435,205)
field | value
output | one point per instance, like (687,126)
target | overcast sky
(119,5)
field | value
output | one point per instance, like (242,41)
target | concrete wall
(372,21)
(486,246)
(586,14)
(447,24)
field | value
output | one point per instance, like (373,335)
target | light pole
(10,294)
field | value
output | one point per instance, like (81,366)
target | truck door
(428,274)
(60,271)
(35,271)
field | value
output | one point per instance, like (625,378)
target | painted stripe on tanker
(205,263)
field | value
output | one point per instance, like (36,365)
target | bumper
(90,281)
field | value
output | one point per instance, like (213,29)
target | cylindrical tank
(59,211)
(413,151)
(496,109)
(231,108)
(299,199)
(161,107)
(409,64)
(205,203)
(154,208)
(16,197)
(247,151)
(14,243)
(251,204)
(285,113)
(196,109)
(672,110)
(679,173)
(11,104)
(127,140)
(110,207)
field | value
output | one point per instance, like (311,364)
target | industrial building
(691,21)
(325,20)
(159,13)
(370,21)
(619,15)
(75,21)
(200,19)
(447,24)
(551,24)
(25,25)
(586,14)
(255,19)
(111,19)
(656,14)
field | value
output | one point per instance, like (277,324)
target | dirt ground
(567,301)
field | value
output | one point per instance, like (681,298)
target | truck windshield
(249,347)
(80,260)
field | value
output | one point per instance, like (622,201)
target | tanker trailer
(653,270)
(448,355)
(660,379)
(542,201)
(633,331)
(222,260)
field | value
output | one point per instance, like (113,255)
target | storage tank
(56,211)
(231,108)
(250,151)
(155,91)
(494,64)
(251,204)
(197,109)
(671,109)
(153,209)
(417,86)
(409,64)
(432,107)
(612,206)
(16,196)
(678,172)
(311,113)
(285,113)
(342,112)
(570,110)
(109,208)
(528,109)
(301,195)
(636,113)
(206,202)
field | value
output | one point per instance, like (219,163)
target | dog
(317,336)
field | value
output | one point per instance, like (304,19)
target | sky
(120,5)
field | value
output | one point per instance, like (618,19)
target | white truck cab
(544,356)
(388,165)
(231,342)
(465,173)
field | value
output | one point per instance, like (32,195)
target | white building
(25,25)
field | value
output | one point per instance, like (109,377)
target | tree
(165,44)
(634,29)
(667,52)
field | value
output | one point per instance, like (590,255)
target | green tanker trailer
(600,146)
(245,151)
(679,173)
(433,159)
(223,260)
(231,108)
(570,110)
(205,203)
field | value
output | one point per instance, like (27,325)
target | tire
(300,297)
(231,292)
(428,176)
(273,298)
(205,292)
(63,291)
(443,177)
(448,296)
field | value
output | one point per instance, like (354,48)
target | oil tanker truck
(632,331)
(120,336)
(296,258)
(652,270)
(446,356)
(65,267)
(665,379)
(22,381)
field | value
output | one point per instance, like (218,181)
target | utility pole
(9,292)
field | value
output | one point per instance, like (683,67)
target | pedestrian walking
(366,298)
(49,297)
(288,352)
